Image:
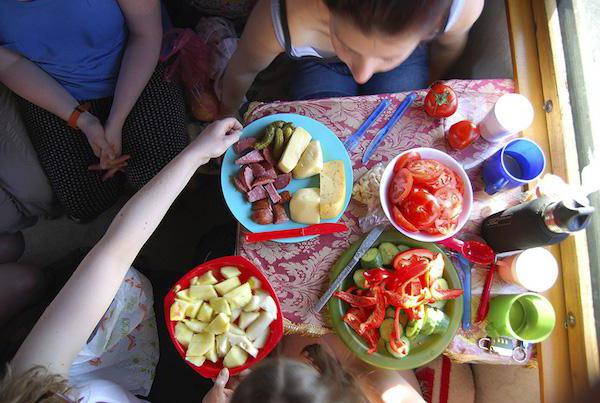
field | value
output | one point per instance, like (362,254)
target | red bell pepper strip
(403,277)
(410,257)
(355,300)
(354,318)
(439,295)
(375,276)
(378,314)
(396,333)
(415,313)
(406,301)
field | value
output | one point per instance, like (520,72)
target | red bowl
(209,369)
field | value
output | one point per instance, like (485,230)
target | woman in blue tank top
(91,94)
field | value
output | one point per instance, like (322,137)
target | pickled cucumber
(267,138)
(278,144)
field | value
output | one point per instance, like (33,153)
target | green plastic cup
(528,317)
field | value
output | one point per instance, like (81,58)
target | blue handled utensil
(410,98)
(465,267)
(352,141)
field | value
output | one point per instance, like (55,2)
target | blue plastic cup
(519,162)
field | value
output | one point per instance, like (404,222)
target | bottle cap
(572,215)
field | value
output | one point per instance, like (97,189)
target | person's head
(373,36)
(34,386)
(282,380)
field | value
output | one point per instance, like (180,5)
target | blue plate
(332,147)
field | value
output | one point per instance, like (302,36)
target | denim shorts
(315,79)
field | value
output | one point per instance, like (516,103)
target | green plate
(423,348)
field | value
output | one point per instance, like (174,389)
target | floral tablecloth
(299,272)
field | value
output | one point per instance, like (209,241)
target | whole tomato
(440,101)
(462,134)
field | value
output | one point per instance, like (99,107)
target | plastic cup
(528,317)
(534,269)
(510,114)
(519,162)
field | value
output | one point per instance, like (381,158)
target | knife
(364,247)
(353,140)
(406,102)
(316,229)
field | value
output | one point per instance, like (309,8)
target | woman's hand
(219,393)
(217,138)
(114,136)
(96,136)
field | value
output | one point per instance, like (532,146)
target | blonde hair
(282,380)
(34,386)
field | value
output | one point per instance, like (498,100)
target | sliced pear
(222,345)
(253,304)
(262,339)
(195,325)
(233,329)
(260,325)
(192,309)
(177,311)
(246,319)
(220,305)
(230,271)
(207,278)
(205,313)
(239,296)
(202,292)
(197,361)
(184,295)
(183,334)
(220,324)
(235,313)
(235,357)
(225,286)
(211,354)
(254,282)
(200,344)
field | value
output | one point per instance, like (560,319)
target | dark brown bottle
(540,222)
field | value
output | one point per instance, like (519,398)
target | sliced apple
(254,283)
(262,339)
(235,357)
(200,344)
(205,313)
(177,311)
(207,278)
(220,324)
(230,271)
(202,292)
(239,296)
(222,345)
(211,354)
(197,361)
(220,305)
(195,325)
(260,325)
(184,295)
(235,313)
(192,309)
(183,334)
(253,304)
(246,319)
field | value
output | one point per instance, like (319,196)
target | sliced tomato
(420,208)
(401,221)
(410,257)
(460,186)
(446,178)
(445,226)
(451,202)
(405,159)
(425,171)
(401,186)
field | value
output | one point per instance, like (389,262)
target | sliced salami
(279,214)
(246,176)
(239,185)
(263,180)
(252,157)
(272,192)
(268,155)
(244,144)
(261,204)
(285,197)
(282,181)
(263,216)
(258,193)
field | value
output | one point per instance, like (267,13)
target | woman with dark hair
(91,95)
(350,47)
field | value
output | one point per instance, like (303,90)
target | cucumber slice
(414,328)
(440,284)
(387,327)
(442,323)
(390,312)
(388,252)
(359,278)
(402,248)
(403,352)
(371,260)
(428,321)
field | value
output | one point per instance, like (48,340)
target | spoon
(474,251)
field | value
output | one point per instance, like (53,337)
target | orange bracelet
(79,109)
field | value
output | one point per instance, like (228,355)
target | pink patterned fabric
(299,272)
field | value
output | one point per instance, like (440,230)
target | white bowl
(432,154)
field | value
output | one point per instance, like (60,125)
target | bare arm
(257,48)
(138,63)
(448,48)
(66,324)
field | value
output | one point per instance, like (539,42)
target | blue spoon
(465,266)
(410,98)
(352,141)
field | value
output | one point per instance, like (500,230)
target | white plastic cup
(510,114)
(534,269)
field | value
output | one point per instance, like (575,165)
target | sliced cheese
(304,206)
(332,189)
(294,149)
(311,161)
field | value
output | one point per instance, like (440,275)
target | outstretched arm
(65,326)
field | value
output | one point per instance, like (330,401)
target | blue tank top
(78,42)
